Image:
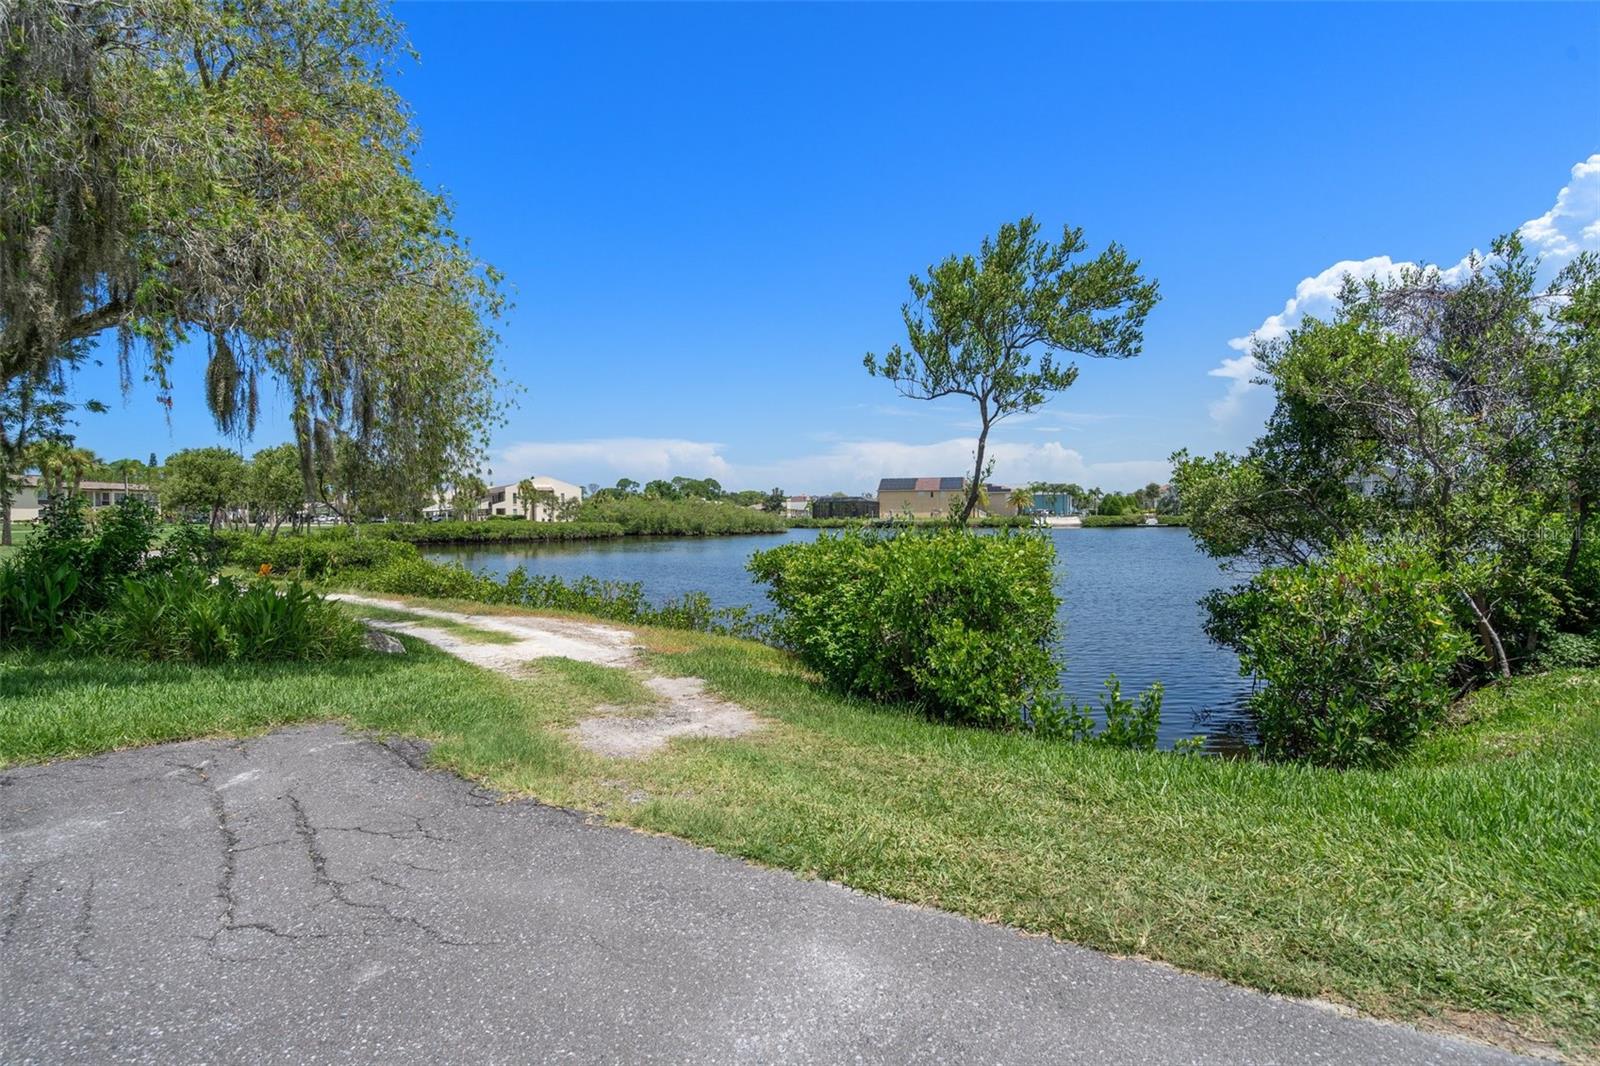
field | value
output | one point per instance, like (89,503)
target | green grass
(20,532)
(1460,888)
(474,634)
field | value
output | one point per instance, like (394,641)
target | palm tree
(124,469)
(45,457)
(76,462)
(61,468)
(526,495)
(1020,500)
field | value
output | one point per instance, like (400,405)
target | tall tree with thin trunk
(996,328)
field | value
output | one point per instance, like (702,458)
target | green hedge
(893,521)
(621,601)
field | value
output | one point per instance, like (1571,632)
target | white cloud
(853,466)
(1571,226)
(640,458)
(1314,296)
(1241,372)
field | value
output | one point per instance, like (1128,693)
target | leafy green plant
(958,623)
(189,616)
(1355,652)
(70,567)
(1559,651)
(313,555)
(1129,724)
(507,529)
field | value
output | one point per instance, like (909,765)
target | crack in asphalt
(229,838)
(307,834)
(421,832)
(83,928)
(13,913)
(338,891)
(411,752)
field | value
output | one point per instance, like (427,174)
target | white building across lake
(32,495)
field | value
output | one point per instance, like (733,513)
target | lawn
(1460,889)
(20,532)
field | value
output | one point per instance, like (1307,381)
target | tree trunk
(5,519)
(1492,645)
(1575,547)
(975,486)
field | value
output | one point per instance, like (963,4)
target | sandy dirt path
(686,708)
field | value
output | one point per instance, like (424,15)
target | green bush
(1355,653)
(189,616)
(958,623)
(1101,521)
(621,601)
(412,575)
(72,566)
(1133,724)
(313,555)
(97,586)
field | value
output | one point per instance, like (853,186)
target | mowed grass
(20,532)
(1460,889)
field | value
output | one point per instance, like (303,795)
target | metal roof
(930,484)
(921,484)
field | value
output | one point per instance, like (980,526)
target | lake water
(1129,606)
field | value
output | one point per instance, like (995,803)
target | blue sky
(707,214)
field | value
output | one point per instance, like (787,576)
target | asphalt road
(312,897)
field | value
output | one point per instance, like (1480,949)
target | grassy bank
(486,531)
(1462,886)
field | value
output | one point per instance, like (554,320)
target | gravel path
(311,896)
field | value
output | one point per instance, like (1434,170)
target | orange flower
(265,570)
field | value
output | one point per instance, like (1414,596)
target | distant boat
(1151,522)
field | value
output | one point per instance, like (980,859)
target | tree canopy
(1459,414)
(239,171)
(205,481)
(995,327)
